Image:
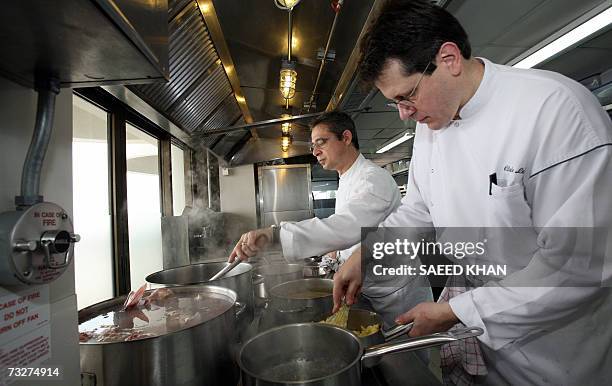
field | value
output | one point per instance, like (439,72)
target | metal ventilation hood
(84,43)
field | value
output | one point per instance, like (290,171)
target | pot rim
(231,294)
(233,273)
(288,284)
(356,361)
(293,269)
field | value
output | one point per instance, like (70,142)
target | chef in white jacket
(366,195)
(497,146)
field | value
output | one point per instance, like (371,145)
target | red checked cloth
(461,361)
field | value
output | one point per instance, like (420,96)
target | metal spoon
(225,270)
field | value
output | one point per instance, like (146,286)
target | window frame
(119,115)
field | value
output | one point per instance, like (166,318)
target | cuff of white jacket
(286,241)
(465,309)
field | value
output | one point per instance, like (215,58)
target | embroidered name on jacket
(510,169)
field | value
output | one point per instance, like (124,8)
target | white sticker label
(23,311)
(28,350)
(25,331)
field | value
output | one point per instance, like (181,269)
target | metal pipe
(32,166)
(329,38)
(289,37)
(268,122)
(208,180)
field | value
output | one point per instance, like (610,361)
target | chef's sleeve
(367,207)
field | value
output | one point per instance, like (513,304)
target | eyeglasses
(408,102)
(318,143)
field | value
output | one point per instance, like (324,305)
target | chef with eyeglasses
(366,195)
(498,147)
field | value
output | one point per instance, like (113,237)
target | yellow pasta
(340,319)
(367,330)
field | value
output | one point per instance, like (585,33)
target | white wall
(238,199)
(17,117)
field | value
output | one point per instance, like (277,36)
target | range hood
(84,43)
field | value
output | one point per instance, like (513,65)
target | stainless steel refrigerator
(285,193)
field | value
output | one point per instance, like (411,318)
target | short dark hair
(337,122)
(411,31)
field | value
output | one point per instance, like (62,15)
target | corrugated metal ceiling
(198,96)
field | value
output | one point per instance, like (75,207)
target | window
(93,261)
(144,204)
(324,197)
(177,156)
(121,224)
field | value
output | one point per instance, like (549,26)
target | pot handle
(396,331)
(257,279)
(467,332)
(433,340)
(88,379)
(240,308)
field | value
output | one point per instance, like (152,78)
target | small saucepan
(266,277)
(304,300)
(315,354)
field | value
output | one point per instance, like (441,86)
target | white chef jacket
(550,144)
(348,190)
(366,195)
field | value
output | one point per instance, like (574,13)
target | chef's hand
(250,243)
(347,281)
(429,317)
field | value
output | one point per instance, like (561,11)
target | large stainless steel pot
(304,300)
(266,277)
(315,354)
(238,279)
(199,355)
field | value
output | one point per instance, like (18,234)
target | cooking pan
(266,277)
(193,355)
(238,279)
(315,354)
(303,300)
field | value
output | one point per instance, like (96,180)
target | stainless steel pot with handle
(238,279)
(266,277)
(179,352)
(304,300)
(314,354)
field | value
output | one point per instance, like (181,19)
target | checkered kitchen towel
(461,361)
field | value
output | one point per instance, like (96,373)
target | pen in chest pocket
(492,180)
